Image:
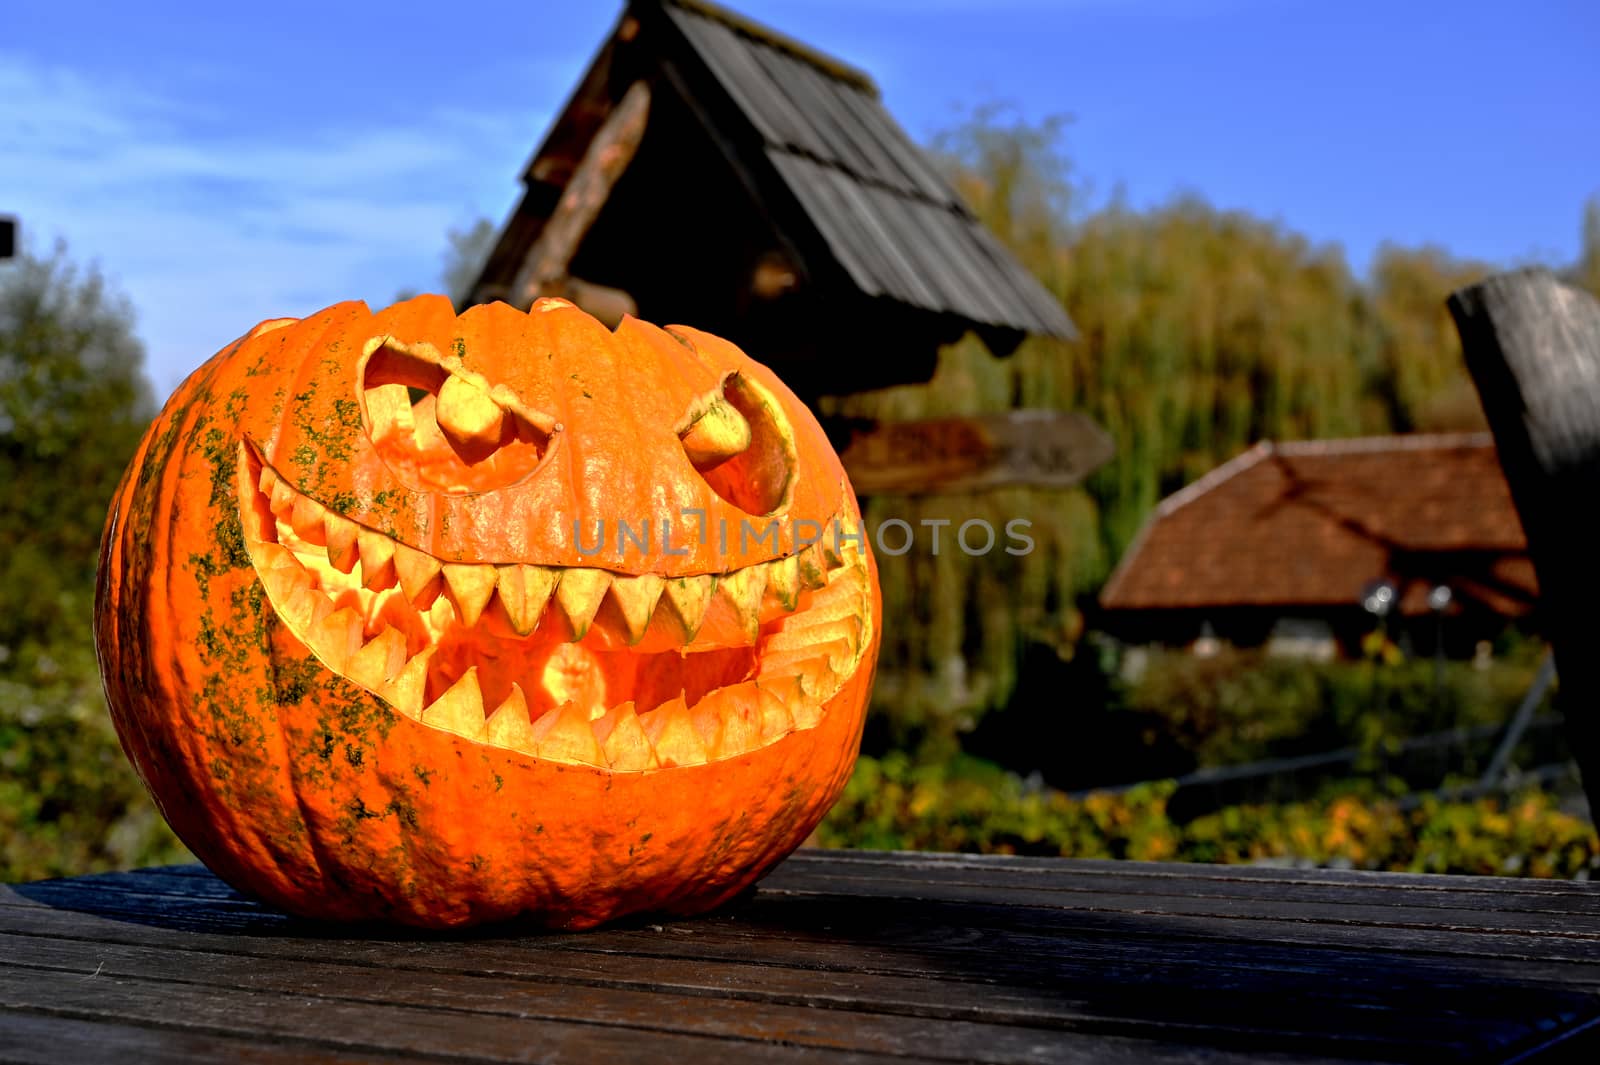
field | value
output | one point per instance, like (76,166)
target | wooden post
(1532,345)
(544,271)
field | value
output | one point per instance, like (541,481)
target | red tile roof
(1310,523)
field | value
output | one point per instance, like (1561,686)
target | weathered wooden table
(852,956)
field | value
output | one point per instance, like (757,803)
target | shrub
(964,805)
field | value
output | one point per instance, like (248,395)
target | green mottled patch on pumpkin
(348,411)
(360,714)
(292,681)
(230,544)
(210,642)
(237,726)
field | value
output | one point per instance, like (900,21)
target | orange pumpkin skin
(301,786)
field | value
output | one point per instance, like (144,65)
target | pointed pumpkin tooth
(729,720)
(509,726)
(267,480)
(306,606)
(690,596)
(336,637)
(579,593)
(809,667)
(389,412)
(383,656)
(282,581)
(777,720)
(743,589)
(468,417)
(813,567)
(672,733)
(340,533)
(306,519)
(470,586)
(377,559)
(270,556)
(405,689)
(565,735)
(524,592)
(783,581)
(460,708)
(418,572)
(623,740)
(841,542)
(283,497)
(636,598)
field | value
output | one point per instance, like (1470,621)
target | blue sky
(233,162)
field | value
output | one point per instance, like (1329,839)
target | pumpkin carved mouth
(572,664)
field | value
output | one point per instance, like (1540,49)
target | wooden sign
(1045,448)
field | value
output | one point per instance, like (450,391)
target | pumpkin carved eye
(442,429)
(738,439)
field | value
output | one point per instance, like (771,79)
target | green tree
(73,402)
(1420,376)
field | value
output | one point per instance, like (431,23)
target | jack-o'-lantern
(444,619)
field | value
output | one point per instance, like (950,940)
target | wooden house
(710,171)
(1285,542)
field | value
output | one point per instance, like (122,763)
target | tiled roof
(886,214)
(1310,523)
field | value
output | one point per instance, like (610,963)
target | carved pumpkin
(444,620)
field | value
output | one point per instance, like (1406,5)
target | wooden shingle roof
(1308,524)
(757,154)
(887,215)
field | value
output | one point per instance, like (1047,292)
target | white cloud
(210,232)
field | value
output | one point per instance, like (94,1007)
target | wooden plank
(647,1010)
(1102,982)
(1492,933)
(845,934)
(1134,879)
(1129,879)
(604,161)
(857,256)
(1036,447)
(1083,867)
(876,955)
(885,981)
(1145,996)
(365,1027)
(1352,909)
(1076,868)
(1532,345)
(44,1039)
